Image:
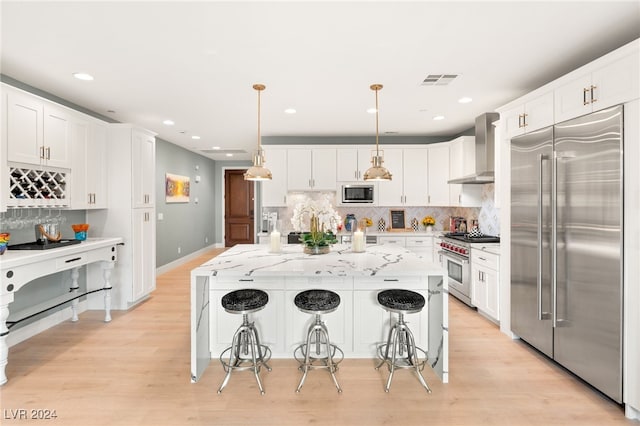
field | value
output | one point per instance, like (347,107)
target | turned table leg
(107,267)
(4,349)
(75,273)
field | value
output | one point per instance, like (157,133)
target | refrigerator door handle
(541,315)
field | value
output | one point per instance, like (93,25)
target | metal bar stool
(246,338)
(317,348)
(401,344)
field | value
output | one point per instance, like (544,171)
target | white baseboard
(631,413)
(184,259)
(23,333)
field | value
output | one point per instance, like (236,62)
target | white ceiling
(195,63)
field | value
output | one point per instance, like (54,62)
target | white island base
(357,326)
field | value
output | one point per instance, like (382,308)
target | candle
(357,243)
(275,241)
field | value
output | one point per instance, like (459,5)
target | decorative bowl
(317,249)
(3,248)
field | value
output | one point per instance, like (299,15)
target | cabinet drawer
(426,242)
(329,283)
(401,241)
(483,259)
(235,283)
(381,283)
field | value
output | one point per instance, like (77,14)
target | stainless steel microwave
(357,194)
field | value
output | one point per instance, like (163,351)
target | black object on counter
(39,246)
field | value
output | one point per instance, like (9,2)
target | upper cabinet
(143,156)
(391,193)
(352,163)
(611,84)
(274,192)
(438,175)
(88,168)
(38,132)
(529,116)
(311,169)
(462,162)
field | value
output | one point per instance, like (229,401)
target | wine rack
(37,188)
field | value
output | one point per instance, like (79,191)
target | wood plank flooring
(135,371)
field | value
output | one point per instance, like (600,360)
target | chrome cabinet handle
(584,96)
(541,158)
(591,90)
(524,120)
(48,153)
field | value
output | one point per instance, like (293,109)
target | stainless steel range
(456,250)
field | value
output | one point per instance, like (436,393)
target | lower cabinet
(485,292)
(144,253)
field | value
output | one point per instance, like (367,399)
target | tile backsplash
(487,215)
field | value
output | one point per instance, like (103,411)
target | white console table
(19,267)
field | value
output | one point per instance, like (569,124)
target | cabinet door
(96,166)
(462,162)
(57,137)
(347,164)
(298,169)
(616,83)
(274,192)
(143,166)
(513,121)
(24,128)
(539,112)
(572,98)
(478,289)
(492,307)
(391,193)
(415,177)
(143,242)
(438,175)
(79,179)
(323,169)
(370,323)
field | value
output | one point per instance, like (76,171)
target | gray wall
(190,226)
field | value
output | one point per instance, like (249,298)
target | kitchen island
(357,326)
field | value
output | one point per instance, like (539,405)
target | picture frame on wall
(176,188)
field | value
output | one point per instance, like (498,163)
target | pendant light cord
(377,114)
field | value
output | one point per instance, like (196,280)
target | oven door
(459,273)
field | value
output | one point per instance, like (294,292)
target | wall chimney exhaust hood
(485,151)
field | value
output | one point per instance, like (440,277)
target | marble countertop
(377,260)
(380,234)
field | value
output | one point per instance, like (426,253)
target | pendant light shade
(258,171)
(377,171)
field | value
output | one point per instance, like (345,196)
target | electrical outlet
(179,250)
(206,239)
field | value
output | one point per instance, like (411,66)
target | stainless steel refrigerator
(566,245)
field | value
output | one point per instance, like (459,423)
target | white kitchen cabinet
(88,164)
(462,162)
(437,257)
(311,169)
(38,131)
(399,240)
(438,175)
(422,246)
(410,174)
(4,173)
(603,86)
(131,169)
(274,191)
(529,116)
(352,163)
(143,151)
(484,283)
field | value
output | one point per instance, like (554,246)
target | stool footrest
(300,355)
(240,362)
(403,362)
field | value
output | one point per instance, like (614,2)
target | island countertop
(377,260)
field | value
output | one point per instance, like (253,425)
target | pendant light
(258,171)
(377,171)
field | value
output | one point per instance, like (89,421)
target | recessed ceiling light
(83,76)
(290,111)
(465,100)
(228,154)
(438,117)
(168,123)
(195,137)
(215,147)
(371,110)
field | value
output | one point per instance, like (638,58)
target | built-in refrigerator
(566,245)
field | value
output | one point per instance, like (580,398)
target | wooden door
(238,209)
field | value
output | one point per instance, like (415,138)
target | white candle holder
(358,241)
(275,243)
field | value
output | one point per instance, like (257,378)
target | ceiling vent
(223,151)
(439,79)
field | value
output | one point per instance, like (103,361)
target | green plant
(318,237)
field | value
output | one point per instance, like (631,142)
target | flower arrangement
(428,221)
(324,221)
(367,221)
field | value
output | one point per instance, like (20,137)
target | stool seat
(401,301)
(244,301)
(317,301)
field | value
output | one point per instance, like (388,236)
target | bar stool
(404,352)
(245,339)
(317,351)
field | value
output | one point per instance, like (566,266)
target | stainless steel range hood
(485,151)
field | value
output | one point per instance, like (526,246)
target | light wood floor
(135,371)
